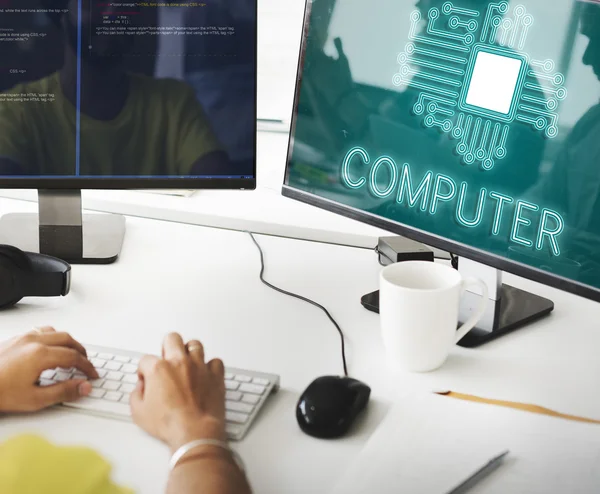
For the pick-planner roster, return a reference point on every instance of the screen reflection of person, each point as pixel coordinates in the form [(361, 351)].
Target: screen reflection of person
[(131, 125), (225, 85), (331, 96), (572, 186)]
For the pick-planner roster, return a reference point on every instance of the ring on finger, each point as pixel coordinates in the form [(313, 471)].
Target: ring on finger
[(43, 329)]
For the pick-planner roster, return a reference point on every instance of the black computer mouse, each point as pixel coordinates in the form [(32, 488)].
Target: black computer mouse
[(330, 404)]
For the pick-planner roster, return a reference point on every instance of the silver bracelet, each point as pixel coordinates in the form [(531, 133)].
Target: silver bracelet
[(186, 448)]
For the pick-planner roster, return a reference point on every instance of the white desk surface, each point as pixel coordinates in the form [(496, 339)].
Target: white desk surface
[(203, 282)]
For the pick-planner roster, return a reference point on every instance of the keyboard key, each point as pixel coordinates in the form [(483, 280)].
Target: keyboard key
[(122, 358), (114, 376), (62, 376), (113, 396), (135, 361), (130, 378), (236, 417), (101, 372), (252, 388), (62, 369), (111, 385), (229, 376), (98, 362), (129, 369), (46, 382), (125, 398), (48, 374), (79, 375), (97, 393), (105, 356), (233, 430), (91, 354), (97, 383), (115, 366), (105, 406), (243, 379), (127, 388), (233, 395), (231, 385), (261, 381), (236, 406), (252, 399)]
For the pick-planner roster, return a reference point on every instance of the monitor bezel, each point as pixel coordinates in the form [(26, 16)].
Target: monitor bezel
[(173, 182), (457, 248), (111, 183)]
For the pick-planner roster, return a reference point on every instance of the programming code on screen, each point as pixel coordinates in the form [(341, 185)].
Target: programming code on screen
[(93, 88)]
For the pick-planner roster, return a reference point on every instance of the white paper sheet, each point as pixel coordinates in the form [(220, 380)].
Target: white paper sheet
[(428, 444)]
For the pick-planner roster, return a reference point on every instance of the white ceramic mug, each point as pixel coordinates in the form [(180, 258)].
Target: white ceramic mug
[(418, 305)]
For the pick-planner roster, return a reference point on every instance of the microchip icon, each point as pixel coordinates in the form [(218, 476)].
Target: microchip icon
[(492, 86), (474, 80)]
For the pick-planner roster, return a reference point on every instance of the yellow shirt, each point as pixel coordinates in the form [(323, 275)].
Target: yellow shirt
[(31, 465), (161, 130)]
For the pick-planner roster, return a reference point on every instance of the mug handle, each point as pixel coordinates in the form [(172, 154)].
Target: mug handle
[(476, 316)]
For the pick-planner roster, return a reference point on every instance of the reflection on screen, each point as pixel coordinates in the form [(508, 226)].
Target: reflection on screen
[(95, 88), (472, 120)]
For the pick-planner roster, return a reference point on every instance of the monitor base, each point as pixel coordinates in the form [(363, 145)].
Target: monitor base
[(61, 230), (101, 237), (513, 310)]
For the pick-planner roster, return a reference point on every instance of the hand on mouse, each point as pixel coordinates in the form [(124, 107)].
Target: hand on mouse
[(180, 398), (24, 358)]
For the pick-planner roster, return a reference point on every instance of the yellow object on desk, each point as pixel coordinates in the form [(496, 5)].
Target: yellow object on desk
[(519, 406), (31, 465)]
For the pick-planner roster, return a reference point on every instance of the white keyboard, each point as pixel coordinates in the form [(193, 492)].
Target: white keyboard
[(246, 391)]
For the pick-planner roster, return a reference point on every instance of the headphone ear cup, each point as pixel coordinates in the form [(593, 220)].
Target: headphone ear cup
[(8, 286), (17, 256)]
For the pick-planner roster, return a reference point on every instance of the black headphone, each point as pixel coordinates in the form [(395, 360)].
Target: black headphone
[(25, 274)]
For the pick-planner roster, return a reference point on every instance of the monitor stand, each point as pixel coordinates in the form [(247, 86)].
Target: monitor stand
[(508, 308), (62, 230)]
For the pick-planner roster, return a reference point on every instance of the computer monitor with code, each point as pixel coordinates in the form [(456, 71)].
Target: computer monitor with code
[(469, 125), (109, 95)]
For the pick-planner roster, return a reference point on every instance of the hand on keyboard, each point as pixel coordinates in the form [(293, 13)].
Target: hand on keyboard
[(22, 359), (189, 386), (180, 398)]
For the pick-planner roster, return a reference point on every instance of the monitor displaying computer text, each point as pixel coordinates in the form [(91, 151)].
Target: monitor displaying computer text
[(471, 125)]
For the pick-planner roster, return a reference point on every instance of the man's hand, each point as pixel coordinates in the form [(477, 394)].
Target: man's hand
[(180, 398), (22, 360)]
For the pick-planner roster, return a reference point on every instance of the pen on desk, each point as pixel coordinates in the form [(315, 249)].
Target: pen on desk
[(479, 474)]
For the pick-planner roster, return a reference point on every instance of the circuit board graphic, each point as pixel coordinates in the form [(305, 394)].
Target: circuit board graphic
[(475, 82)]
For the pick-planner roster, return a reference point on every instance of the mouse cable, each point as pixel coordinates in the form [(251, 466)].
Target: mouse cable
[(300, 297)]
